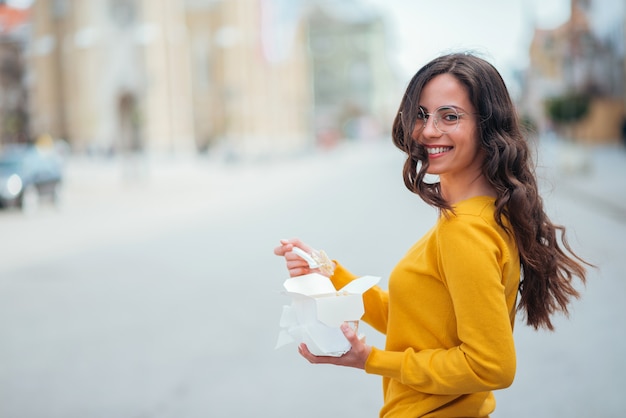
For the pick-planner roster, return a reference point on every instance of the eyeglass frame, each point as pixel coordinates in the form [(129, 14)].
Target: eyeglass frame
[(435, 120)]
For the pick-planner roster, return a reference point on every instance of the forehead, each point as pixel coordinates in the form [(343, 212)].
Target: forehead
[(444, 90)]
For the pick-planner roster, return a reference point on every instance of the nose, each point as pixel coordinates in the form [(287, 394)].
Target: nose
[(430, 130)]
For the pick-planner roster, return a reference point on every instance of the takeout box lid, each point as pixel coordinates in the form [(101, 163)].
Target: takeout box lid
[(333, 307), (315, 284)]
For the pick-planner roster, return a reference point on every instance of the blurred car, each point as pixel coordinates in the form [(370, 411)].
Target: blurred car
[(27, 175)]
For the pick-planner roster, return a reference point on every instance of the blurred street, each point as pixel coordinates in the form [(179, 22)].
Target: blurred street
[(153, 292)]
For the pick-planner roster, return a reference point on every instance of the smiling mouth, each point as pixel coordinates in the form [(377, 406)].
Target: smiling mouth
[(437, 150)]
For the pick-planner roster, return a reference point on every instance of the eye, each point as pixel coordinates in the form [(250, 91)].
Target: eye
[(448, 115), (421, 114)]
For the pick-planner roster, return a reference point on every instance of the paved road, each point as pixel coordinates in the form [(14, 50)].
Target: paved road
[(159, 297)]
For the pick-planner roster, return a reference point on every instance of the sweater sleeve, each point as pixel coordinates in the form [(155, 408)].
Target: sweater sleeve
[(470, 257), (375, 300)]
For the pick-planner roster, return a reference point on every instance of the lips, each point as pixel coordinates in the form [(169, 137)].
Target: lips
[(437, 150)]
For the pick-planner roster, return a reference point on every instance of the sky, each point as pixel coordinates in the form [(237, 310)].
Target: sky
[(498, 30), (19, 3)]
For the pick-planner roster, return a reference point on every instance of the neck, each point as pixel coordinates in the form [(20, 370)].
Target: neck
[(456, 190)]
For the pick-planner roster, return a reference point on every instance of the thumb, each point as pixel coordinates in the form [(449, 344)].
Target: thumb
[(349, 333)]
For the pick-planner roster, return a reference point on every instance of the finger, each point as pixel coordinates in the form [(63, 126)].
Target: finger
[(304, 352), (357, 342), (297, 243), (286, 245), (296, 272), (295, 261), (358, 354), (349, 333), (291, 256), (283, 249), (295, 265)]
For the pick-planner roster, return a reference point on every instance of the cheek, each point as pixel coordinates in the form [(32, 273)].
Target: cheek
[(480, 152), (415, 135), (474, 141), (469, 146)]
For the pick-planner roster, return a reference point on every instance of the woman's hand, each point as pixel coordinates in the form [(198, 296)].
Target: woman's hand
[(356, 357), (296, 265)]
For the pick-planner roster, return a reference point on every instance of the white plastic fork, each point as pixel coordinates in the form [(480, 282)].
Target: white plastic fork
[(306, 257)]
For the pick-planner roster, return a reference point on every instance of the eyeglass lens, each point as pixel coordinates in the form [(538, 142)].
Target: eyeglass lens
[(446, 118)]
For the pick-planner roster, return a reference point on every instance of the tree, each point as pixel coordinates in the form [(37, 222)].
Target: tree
[(568, 109)]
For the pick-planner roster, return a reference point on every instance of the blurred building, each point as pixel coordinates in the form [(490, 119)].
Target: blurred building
[(109, 74), (582, 56), (250, 74), (186, 75), (13, 93), (354, 90), (103, 76)]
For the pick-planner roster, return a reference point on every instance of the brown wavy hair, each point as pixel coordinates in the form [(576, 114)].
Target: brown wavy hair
[(548, 263)]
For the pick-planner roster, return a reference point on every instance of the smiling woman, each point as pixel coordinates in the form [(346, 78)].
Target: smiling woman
[(449, 312)]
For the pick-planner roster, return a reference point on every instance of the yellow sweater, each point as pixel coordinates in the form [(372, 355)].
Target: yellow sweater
[(448, 317)]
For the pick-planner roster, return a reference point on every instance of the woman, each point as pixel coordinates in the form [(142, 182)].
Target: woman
[(449, 313)]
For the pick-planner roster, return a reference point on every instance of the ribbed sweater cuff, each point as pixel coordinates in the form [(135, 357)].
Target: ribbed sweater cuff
[(384, 363)]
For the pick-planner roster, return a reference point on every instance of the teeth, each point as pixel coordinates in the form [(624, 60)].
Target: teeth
[(438, 150)]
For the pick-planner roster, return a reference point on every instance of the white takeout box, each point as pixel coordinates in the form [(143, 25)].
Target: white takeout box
[(317, 311)]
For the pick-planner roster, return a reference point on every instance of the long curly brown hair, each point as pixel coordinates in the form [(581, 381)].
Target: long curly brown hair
[(548, 263)]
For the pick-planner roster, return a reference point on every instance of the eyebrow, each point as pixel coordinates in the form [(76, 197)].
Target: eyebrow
[(443, 106)]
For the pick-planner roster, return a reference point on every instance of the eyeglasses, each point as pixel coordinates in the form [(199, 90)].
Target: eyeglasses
[(446, 118)]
